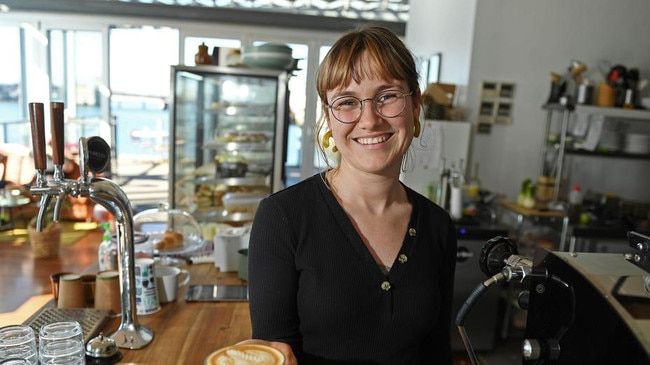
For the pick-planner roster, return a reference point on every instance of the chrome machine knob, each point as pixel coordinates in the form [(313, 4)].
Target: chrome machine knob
[(534, 349)]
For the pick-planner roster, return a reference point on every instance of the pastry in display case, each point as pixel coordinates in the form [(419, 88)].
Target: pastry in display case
[(228, 126)]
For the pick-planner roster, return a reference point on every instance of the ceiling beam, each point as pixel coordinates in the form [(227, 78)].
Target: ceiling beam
[(199, 13)]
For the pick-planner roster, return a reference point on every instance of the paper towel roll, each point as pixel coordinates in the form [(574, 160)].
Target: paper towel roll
[(456, 203)]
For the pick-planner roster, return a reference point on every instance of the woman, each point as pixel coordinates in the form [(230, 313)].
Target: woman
[(350, 266)]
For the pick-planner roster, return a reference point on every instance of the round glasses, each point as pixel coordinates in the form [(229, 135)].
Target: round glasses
[(388, 104)]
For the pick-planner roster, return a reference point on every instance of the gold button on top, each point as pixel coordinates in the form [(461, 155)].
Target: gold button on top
[(412, 232), (385, 286), (402, 258)]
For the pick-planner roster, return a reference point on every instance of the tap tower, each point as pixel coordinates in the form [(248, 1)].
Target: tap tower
[(94, 157)]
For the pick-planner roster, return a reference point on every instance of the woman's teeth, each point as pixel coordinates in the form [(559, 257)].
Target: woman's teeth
[(373, 140)]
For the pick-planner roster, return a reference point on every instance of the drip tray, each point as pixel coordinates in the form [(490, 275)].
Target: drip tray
[(91, 320)]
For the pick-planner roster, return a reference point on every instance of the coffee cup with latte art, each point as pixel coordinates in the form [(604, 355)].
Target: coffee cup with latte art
[(246, 354)]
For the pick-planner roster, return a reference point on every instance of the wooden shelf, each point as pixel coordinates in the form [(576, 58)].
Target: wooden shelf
[(632, 156), (528, 212), (620, 113)]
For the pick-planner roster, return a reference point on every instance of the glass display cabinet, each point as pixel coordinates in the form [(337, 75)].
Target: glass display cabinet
[(228, 126)]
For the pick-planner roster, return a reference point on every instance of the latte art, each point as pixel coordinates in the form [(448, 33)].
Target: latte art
[(246, 355)]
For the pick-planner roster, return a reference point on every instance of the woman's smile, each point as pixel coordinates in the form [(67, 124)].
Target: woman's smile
[(373, 140)]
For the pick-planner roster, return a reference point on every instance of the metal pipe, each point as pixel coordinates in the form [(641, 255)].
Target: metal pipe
[(105, 192)]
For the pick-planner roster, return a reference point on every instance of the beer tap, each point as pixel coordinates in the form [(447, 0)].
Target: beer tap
[(94, 157), (37, 118), (58, 157)]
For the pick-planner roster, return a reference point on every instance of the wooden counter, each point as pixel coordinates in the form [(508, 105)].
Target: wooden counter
[(183, 332), (24, 276), (186, 332)]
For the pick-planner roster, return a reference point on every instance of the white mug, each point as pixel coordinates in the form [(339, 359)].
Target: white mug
[(227, 244), (146, 296), (167, 282)]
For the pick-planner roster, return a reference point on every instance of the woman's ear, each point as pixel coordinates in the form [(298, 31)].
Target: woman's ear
[(417, 102)]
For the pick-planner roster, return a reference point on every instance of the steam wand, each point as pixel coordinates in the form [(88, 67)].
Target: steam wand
[(94, 156)]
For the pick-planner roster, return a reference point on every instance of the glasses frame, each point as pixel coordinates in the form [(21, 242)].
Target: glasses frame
[(374, 103)]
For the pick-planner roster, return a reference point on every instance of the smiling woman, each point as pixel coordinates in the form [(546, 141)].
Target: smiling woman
[(350, 265)]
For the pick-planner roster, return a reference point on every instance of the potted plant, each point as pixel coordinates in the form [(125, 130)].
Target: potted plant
[(45, 244)]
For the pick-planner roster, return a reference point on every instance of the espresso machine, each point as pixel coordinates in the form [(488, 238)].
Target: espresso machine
[(582, 307), (596, 311)]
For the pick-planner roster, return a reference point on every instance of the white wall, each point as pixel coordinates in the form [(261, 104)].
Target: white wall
[(447, 27), (523, 41)]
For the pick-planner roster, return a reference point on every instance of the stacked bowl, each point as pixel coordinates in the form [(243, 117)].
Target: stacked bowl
[(268, 55), (637, 143)]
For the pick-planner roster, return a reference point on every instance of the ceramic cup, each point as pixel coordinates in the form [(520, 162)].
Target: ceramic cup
[(18, 342), (71, 292), (107, 291), (146, 296), (246, 354), (168, 280)]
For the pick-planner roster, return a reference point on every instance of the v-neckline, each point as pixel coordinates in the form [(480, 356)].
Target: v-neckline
[(356, 242)]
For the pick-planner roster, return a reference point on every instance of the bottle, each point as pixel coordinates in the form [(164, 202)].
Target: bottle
[(629, 99), (107, 252), (456, 194), (202, 57), (575, 204), (215, 56)]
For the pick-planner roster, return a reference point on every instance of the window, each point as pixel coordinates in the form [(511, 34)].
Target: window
[(139, 63), (11, 86), (75, 69)]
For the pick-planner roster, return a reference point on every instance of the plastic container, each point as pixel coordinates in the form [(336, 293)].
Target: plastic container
[(575, 204), (107, 251)]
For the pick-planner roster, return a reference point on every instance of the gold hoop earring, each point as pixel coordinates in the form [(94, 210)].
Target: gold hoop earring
[(326, 141), (418, 127)]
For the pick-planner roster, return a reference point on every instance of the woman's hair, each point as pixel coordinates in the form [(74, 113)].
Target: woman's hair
[(368, 52)]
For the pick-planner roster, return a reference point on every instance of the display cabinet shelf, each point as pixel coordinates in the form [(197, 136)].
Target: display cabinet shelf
[(228, 128)]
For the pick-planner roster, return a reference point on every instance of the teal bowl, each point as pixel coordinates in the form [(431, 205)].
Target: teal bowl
[(270, 60), (268, 47)]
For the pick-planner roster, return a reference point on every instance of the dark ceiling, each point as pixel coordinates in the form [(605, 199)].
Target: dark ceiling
[(331, 15)]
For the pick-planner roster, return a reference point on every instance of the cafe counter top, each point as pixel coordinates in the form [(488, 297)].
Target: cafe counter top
[(183, 332), (186, 332)]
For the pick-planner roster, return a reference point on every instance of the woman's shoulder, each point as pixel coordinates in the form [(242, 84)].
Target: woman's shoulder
[(303, 189)]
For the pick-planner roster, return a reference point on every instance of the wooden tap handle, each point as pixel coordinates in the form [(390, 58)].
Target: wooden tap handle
[(56, 115), (37, 121)]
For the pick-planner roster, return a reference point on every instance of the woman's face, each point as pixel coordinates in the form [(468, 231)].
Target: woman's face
[(374, 144)]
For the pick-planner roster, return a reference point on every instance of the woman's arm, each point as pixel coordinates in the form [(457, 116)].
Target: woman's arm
[(273, 278)]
